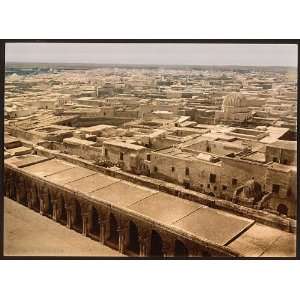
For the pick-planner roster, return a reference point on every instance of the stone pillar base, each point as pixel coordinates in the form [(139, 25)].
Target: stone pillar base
[(69, 219)]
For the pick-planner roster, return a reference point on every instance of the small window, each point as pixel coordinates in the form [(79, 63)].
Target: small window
[(104, 114), (224, 187), (275, 188), (275, 159), (155, 169), (234, 181), (105, 152), (148, 157), (207, 149), (215, 188), (173, 169), (121, 156), (285, 162), (187, 171), (208, 186), (212, 178)]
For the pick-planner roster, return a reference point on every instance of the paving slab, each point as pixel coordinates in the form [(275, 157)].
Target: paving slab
[(122, 193), (20, 150), (284, 246), (91, 183), (48, 167), (214, 225), (70, 175), (164, 208), (25, 160), (261, 240)]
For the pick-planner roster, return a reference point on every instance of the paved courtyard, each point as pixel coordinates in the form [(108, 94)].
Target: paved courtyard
[(26, 233)]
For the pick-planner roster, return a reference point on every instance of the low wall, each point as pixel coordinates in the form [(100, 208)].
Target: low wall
[(260, 216)]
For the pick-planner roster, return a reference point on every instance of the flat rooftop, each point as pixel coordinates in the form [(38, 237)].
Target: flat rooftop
[(97, 128), (77, 141), (202, 222), (25, 160), (121, 144), (286, 145)]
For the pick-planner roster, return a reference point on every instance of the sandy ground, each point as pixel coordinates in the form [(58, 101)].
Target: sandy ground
[(26, 233)]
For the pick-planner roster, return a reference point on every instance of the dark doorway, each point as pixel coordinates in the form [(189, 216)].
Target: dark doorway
[(95, 227), (133, 245), (113, 230), (282, 209), (156, 245), (180, 250), (211, 194), (78, 217)]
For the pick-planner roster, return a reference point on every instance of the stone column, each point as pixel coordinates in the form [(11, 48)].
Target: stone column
[(19, 189), (103, 224), (142, 249), (34, 196), (122, 233), (85, 224), (29, 202), (8, 187), (41, 198), (28, 192), (54, 213), (69, 216), (11, 186), (168, 249), (41, 206), (29, 185), (6, 182), (144, 240)]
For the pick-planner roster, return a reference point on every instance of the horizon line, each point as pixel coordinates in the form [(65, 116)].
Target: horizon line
[(151, 64)]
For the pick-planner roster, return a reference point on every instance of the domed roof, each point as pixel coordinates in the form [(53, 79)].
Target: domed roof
[(236, 100)]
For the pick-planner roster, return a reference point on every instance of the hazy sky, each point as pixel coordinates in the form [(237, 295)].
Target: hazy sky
[(189, 54)]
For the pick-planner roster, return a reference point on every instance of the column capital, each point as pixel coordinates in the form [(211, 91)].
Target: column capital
[(85, 215), (144, 235), (102, 221), (121, 230), (85, 208), (54, 201), (68, 205)]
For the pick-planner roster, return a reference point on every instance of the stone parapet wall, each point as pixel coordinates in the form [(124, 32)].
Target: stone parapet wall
[(260, 216)]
